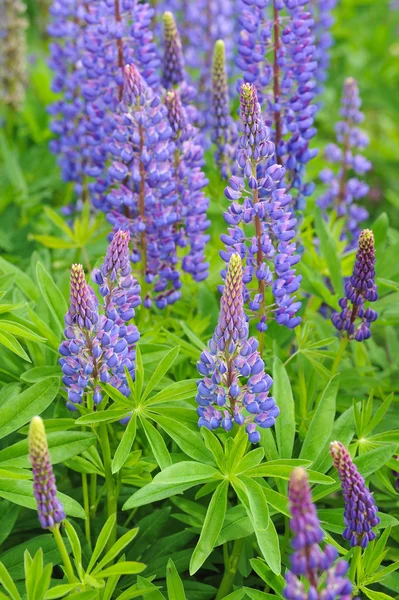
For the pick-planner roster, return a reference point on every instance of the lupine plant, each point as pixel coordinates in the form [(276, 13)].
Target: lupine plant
[(13, 53), (197, 399)]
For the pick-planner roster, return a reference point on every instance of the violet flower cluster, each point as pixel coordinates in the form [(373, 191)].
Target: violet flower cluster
[(192, 204), (308, 561), (258, 201), (354, 318), (277, 55), (234, 387), (173, 71), (100, 342), (224, 129), (343, 190), (13, 75), (49, 508), (360, 514)]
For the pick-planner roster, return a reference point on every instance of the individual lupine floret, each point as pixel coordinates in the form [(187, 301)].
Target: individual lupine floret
[(13, 75), (270, 254), (276, 53), (139, 195), (224, 130), (360, 514), (344, 190), (192, 204), (49, 508), (173, 62), (69, 115), (100, 344), (223, 397), (308, 560), (354, 318)]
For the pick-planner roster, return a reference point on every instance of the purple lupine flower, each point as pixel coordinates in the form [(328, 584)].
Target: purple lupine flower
[(309, 561), (100, 343), (141, 195), (13, 71), (49, 508), (270, 254), (323, 21), (222, 396), (70, 121), (354, 318), (343, 190), (224, 130), (192, 204), (360, 514), (277, 55), (173, 61)]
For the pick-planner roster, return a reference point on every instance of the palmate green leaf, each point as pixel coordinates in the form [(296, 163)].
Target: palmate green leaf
[(21, 493), (38, 373), (25, 283), (116, 549), (342, 431), (285, 424), (157, 444), (214, 446), (321, 425), (211, 529), (58, 221), (102, 416), (258, 509), (74, 541), (52, 295), (250, 460), (189, 441), (125, 445), (173, 480), (14, 558), (180, 390), (51, 241), (53, 340), (59, 591), (101, 542), (19, 331), (62, 444), (10, 342), (160, 371), (375, 595), (276, 582), (33, 401), (173, 583), (8, 516)]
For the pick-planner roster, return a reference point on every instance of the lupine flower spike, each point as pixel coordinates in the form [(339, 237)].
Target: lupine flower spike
[(270, 254), (173, 62), (354, 318), (49, 508), (345, 190), (224, 130), (360, 514), (100, 343), (308, 561), (234, 387), (13, 76)]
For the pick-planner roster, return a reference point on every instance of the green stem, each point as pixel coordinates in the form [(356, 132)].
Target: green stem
[(340, 353), (64, 554), (93, 494), (86, 504), (229, 574), (112, 500)]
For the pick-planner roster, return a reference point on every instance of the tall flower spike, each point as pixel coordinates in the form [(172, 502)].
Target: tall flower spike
[(360, 514), (224, 130), (269, 254), (354, 318), (100, 343), (173, 62), (141, 195), (232, 357), (343, 190), (192, 204), (13, 76), (308, 560), (276, 53), (49, 508)]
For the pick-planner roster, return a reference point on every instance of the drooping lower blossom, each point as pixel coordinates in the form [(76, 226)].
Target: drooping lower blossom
[(234, 387)]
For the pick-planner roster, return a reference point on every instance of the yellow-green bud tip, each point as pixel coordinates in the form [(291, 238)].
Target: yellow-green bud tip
[(37, 435), (298, 474), (169, 22)]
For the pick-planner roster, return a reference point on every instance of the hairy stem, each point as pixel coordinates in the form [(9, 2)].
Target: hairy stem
[(112, 500)]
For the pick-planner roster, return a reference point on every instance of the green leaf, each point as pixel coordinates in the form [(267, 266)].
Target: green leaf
[(58, 221), (213, 444), (8, 516), (54, 299), (8, 583), (59, 591), (38, 373), (342, 431), (22, 280), (19, 410), (62, 444), (375, 595), (259, 512), (211, 529), (17, 330), (102, 416), (125, 445), (276, 582), (116, 549), (13, 559), (180, 390), (174, 583), (10, 342), (285, 424), (284, 472), (329, 253), (51, 241), (101, 541), (21, 493), (321, 425), (157, 444), (74, 541), (190, 442), (160, 371), (121, 568)]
